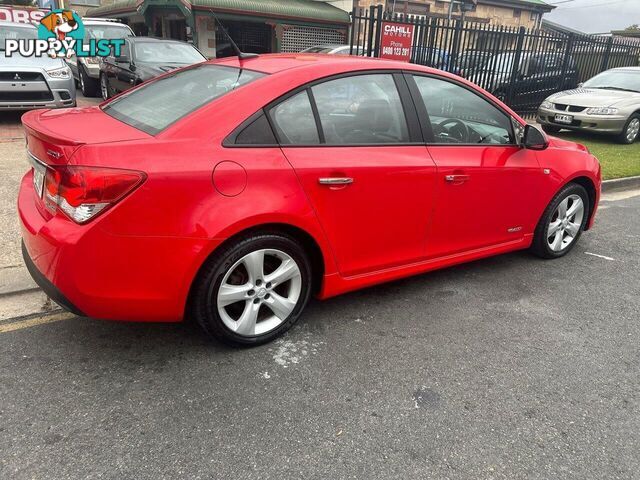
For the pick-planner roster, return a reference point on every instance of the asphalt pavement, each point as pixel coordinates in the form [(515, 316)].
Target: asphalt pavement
[(510, 367)]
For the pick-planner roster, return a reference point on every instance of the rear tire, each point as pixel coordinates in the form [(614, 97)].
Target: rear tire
[(88, 85), (550, 129), (562, 222), (631, 130), (252, 290)]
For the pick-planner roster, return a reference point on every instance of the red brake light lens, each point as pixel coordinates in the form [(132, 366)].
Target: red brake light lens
[(83, 192)]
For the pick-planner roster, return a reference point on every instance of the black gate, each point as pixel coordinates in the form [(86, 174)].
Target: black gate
[(521, 67)]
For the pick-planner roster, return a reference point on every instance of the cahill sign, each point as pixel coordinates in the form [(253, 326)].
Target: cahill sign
[(395, 41)]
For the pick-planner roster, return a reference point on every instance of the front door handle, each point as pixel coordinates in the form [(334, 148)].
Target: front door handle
[(335, 181), (456, 178)]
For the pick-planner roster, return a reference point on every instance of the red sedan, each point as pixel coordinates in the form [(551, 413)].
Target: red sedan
[(232, 190)]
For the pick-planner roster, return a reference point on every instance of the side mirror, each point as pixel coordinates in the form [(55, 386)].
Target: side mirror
[(581, 84), (534, 139), (123, 59)]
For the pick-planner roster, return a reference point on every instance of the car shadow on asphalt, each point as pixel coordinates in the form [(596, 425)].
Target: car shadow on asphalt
[(128, 340)]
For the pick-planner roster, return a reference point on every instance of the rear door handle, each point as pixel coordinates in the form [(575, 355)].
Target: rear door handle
[(456, 178), (335, 181)]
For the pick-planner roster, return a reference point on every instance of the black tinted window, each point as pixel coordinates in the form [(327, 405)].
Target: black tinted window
[(362, 109), (458, 115), (293, 120), (257, 132), (157, 104)]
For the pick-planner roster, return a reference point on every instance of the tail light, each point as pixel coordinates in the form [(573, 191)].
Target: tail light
[(81, 193)]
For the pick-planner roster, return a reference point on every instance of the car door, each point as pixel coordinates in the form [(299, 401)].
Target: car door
[(356, 147), (124, 71), (488, 187)]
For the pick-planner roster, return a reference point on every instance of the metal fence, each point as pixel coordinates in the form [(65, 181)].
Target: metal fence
[(521, 67)]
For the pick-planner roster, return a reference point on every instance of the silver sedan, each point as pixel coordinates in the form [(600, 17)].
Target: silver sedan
[(607, 103)]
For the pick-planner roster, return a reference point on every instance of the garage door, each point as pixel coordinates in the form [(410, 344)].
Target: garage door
[(296, 37)]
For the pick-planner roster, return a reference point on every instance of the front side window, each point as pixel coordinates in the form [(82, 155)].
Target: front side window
[(458, 115), (159, 103), (362, 109)]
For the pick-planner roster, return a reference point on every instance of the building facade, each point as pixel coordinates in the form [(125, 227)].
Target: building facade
[(508, 13), (256, 26)]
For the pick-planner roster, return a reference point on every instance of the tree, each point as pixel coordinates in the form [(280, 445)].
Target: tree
[(633, 28)]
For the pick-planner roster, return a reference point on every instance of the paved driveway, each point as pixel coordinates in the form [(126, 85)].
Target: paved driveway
[(511, 367)]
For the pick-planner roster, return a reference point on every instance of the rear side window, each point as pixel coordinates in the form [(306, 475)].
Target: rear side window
[(158, 104), (362, 109), (257, 132), (294, 121)]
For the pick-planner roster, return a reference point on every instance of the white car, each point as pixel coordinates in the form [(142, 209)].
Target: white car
[(333, 49), (32, 82)]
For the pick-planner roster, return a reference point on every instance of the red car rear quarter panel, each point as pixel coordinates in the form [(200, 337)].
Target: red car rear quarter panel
[(177, 218)]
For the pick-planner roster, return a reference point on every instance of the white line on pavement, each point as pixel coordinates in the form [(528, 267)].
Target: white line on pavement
[(600, 256)]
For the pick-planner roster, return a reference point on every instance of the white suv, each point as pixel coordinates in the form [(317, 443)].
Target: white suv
[(86, 70)]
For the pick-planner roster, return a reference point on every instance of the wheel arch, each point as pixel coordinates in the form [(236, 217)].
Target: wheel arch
[(308, 242), (590, 187)]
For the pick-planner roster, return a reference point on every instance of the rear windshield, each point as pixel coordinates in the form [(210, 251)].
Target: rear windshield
[(156, 105)]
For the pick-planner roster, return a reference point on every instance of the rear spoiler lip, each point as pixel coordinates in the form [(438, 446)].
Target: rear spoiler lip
[(36, 129)]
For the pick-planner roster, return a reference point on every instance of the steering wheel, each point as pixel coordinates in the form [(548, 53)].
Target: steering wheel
[(458, 130)]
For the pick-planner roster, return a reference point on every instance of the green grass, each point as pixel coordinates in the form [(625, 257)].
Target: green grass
[(617, 160)]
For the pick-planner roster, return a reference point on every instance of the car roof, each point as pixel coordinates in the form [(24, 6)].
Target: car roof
[(17, 24), (154, 40), (104, 22), (278, 62), (627, 69)]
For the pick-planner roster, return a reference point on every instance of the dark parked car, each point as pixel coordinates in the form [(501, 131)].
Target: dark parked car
[(470, 61), (538, 76), (433, 57), (141, 59)]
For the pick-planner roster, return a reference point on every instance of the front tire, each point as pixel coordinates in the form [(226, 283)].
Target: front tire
[(253, 290), (562, 222), (88, 85), (631, 130), (104, 87)]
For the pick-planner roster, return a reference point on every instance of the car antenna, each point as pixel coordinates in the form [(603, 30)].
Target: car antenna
[(239, 53)]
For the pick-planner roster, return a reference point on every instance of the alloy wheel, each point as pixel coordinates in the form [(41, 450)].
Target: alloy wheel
[(104, 88), (259, 292), (565, 223), (633, 129)]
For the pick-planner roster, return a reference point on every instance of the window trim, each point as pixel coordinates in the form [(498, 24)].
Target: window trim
[(427, 130), (231, 139), (414, 129)]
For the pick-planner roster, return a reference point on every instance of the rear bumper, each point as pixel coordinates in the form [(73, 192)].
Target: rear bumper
[(49, 288), (582, 122), (97, 274)]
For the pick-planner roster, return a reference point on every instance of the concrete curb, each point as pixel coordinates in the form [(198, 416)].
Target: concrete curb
[(619, 184)]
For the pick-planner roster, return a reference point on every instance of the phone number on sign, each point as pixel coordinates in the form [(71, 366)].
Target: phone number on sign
[(402, 51)]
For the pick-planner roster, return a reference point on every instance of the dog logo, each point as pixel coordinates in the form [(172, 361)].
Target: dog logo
[(64, 26), (61, 34)]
